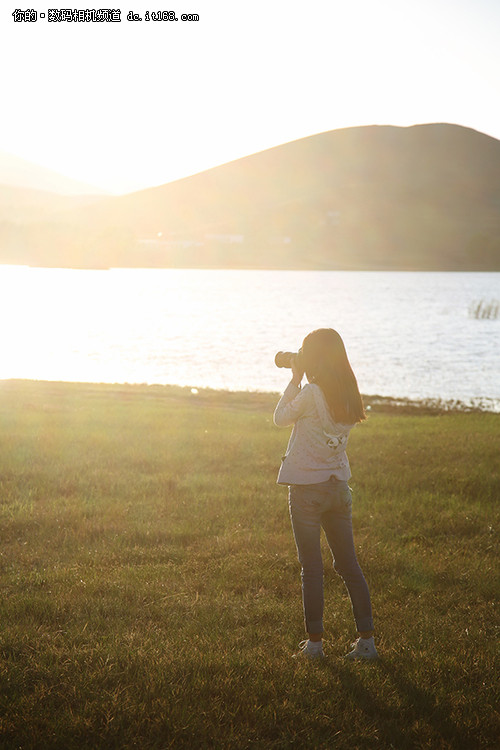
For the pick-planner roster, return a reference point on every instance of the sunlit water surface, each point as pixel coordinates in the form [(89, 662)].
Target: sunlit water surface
[(408, 335)]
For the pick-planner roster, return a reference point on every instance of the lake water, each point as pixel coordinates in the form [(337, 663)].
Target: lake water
[(408, 335)]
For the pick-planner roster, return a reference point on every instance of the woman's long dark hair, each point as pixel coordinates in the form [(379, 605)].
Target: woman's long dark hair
[(326, 364)]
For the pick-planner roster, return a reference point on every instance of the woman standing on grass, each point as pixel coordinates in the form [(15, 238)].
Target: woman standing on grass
[(316, 469)]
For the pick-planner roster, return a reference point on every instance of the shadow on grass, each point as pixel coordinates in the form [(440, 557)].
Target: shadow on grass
[(402, 725)]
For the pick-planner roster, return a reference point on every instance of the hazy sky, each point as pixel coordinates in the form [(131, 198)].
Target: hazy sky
[(133, 104)]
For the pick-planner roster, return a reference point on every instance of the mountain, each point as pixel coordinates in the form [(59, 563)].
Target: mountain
[(379, 197), (20, 173)]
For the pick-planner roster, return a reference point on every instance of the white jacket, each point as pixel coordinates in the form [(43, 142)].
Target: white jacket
[(316, 449)]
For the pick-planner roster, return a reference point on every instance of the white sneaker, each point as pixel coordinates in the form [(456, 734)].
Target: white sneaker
[(309, 651), (363, 648)]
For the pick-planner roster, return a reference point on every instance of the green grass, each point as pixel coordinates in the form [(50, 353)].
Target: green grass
[(151, 592)]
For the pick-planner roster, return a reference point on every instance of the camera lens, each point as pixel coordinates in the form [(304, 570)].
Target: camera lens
[(283, 359)]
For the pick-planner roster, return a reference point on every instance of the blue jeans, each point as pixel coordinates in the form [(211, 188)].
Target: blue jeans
[(327, 505)]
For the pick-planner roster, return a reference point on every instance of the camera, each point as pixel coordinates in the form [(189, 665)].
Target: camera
[(284, 359)]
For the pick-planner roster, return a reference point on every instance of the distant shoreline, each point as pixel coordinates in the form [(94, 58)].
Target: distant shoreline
[(248, 399), (250, 267)]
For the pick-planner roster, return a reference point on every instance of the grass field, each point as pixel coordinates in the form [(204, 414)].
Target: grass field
[(151, 592)]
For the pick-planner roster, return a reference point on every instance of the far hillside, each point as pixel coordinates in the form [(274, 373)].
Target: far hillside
[(20, 173), (420, 198)]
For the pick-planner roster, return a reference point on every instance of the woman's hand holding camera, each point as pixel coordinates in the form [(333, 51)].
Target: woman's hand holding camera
[(293, 360), (297, 371)]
